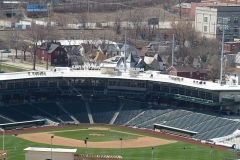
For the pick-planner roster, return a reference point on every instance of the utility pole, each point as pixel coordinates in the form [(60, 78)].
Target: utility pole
[(221, 72), (125, 50), (180, 9), (173, 48), (88, 6)]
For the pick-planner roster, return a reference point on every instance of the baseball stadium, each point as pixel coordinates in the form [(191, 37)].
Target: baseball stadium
[(106, 114)]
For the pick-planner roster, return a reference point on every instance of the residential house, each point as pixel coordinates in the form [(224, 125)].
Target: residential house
[(131, 62), (54, 53), (187, 71), (110, 49), (154, 63), (232, 76), (129, 50), (97, 56)]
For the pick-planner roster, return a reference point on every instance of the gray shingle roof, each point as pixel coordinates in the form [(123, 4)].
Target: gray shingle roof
[(52, 48), (130, 58)]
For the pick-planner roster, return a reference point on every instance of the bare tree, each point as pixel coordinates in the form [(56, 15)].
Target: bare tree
[(83, 19), (14, 37), (206, 50), (53, 33), (117, 26), (35, 34), (185, 35), (25, 46), (213, 71), (62, 20)]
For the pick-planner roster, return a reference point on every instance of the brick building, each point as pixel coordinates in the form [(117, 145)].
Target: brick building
[(231, 47), (54, 53), (187, 72)]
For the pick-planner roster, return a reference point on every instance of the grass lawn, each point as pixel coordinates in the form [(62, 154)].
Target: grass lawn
[(9, 68), (173, 151), (107, 135)]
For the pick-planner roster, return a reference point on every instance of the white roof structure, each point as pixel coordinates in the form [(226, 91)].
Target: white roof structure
[(154, 76), (39, 149)]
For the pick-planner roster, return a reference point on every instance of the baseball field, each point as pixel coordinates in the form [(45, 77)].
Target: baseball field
[(131, 144)]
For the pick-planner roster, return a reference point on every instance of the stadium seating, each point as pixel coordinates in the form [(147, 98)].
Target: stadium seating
[(210, 125), (29, 110), (3, 120), (174, 114), (188, 120), (103, 112), (147, 115), (78, 110), (13, 114), (221, 131), (129, 111), (53, 110)]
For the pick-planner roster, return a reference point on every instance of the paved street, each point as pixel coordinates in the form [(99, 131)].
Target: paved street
[(7, 60)]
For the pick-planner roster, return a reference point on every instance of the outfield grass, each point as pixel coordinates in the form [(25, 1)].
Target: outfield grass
[(173, 151), (107, 135)]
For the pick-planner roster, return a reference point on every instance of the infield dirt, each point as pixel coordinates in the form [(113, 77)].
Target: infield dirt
[(144, 141)]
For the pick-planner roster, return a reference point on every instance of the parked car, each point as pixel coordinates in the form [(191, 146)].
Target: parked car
[(6, 51)]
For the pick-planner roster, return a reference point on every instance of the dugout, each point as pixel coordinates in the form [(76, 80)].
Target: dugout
[(38, 153), (24, 124), (172, 130)]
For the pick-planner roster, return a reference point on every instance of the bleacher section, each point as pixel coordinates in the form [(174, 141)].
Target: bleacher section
[(188, 120), (174, 114), (14, 115), (3, 120), (103, 112), (209, 125), (78, 110), (29, 110), (147, 115), (224, 130), (53, 110), (128, 112)]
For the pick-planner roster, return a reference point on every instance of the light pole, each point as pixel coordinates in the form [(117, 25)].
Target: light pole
[(152, 152), (184, 153), (3, 136), (15, 135), (51, 145), (120, 145)]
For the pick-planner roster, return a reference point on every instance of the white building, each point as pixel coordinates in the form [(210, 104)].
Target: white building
[(38, 153), (211, 21)]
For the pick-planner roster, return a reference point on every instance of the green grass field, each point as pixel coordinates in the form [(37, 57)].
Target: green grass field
[(9, 68), (107, 135), (173, 151)]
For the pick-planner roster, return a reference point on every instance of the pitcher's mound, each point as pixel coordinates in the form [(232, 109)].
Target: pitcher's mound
[(96, 134)]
